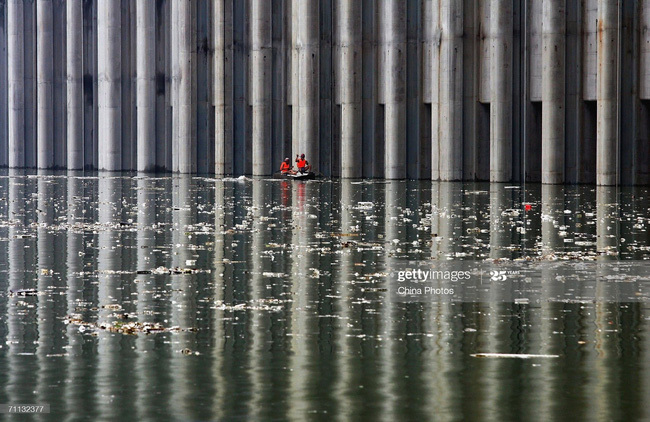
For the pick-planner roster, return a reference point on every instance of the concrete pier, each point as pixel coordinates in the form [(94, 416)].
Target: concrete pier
[(393, 41), (349, 36), (109, 71), (146, 84), (553, 90), (44, 84), (222, 77), (501, 92), (74, 69), (260, 83), (306, 67), (608, 93), (16, 84), (184, 109), (450, 92)]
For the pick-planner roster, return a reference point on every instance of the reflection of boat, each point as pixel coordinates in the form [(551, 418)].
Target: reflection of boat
[(297, 176)]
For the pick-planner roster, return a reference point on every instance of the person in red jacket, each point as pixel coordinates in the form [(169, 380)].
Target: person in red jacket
[(285, 167), (303, 165)]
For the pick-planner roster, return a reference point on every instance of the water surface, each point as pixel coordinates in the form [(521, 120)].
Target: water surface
[(271, 301)]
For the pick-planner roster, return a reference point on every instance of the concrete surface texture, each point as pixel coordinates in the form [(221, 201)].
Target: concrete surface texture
[(552, 91)]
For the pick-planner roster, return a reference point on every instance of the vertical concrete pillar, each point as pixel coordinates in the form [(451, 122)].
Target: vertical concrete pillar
[(260, 83), (394, 43), (186, 101), (16, 96), (44, 84), (74, 52), (306, 110), (607, 91), (553, 90), (349, 35), (4, 100), (222, 83), (501, 95), (146, 84), (109, 71), (450, 71), (59, 93)]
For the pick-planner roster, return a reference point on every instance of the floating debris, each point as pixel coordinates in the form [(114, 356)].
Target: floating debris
[(23, 292), (121, 327), (511, 356)]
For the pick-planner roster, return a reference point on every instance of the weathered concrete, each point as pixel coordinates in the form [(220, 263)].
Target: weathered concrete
[(16, 96), (394, 50), (501, 101), (146, 85), (553, 90), (109, 100), (44, 84), (608, 68), (306, 65), (450, 82), (74, 69), (349, 84), (4, 101), (260, 85), (222, 68), (183, 20), (505, 90)]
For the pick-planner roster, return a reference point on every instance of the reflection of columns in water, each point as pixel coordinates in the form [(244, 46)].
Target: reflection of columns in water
[(547, 341), (46, 312), (395, 202), (497, 332), (500, 233), (20, 329), (347, 312), (183, 312), (260, 320), (451, 224), (607, 229), (222, 274), (607, 221), (109, 291), (75, 247), (146, 242), (552, 218), (436, 316), (303, 282)]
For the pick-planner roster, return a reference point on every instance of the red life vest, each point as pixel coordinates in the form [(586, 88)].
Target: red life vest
[(284, 167), (302, 163)]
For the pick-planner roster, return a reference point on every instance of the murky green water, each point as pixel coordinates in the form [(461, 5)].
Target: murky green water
[(267, 300)]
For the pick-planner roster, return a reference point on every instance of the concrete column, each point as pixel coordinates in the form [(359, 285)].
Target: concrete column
[(59, 97), (109, 71), (501, 95), (186, 101), (146, 84), (393, 20), (306, 110), (222, 83), (451, 90), (349, 35), (4, 100), (44, 84), (260, 83), (553, 87), (74, 52), (607, 91), (16, 97)]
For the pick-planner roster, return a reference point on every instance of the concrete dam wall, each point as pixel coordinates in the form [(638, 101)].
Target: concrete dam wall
[(553, 91)]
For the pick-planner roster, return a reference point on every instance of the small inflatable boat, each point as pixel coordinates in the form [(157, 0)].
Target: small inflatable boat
[(298, 176)]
